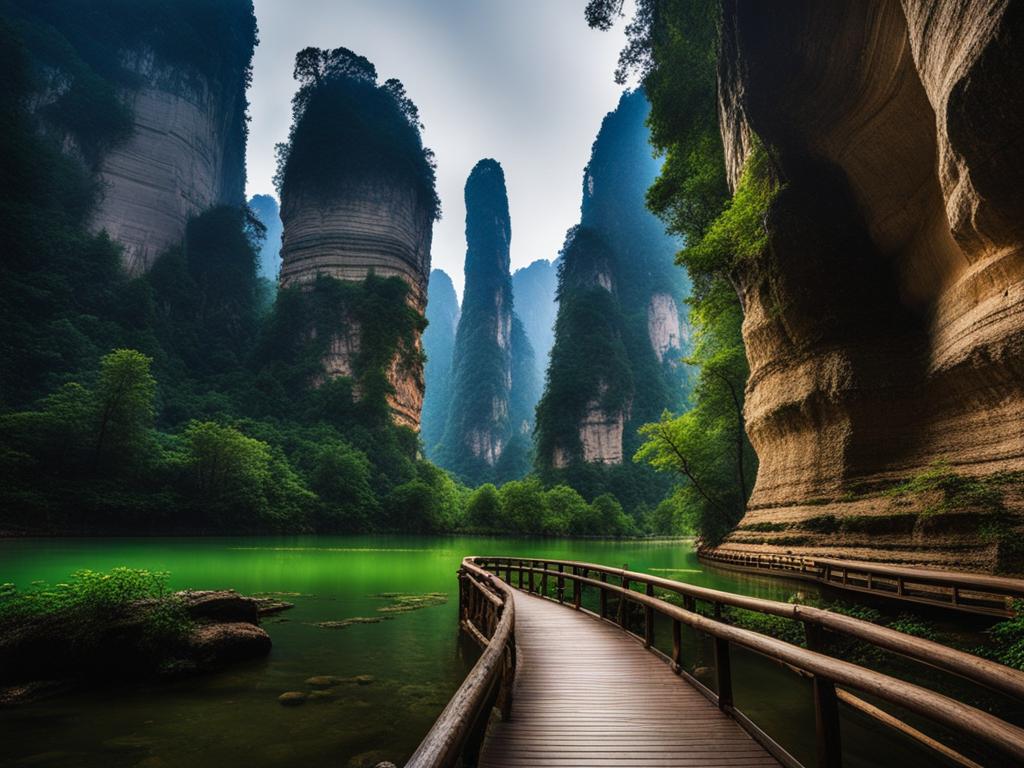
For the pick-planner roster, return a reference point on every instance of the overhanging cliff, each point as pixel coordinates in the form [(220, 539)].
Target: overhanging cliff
[(884, 322)]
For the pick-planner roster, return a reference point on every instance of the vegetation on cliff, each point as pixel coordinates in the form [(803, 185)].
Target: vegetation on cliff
[(706, 446), (326, 149), (492, 372), (604, 364)]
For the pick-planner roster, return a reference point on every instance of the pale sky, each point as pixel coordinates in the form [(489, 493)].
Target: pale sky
[(522, 81)]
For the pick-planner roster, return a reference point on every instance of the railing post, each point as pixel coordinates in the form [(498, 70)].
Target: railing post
[(649, 618), (604, 595), (462, 595), (544, 581), (508, 572), (576, 588), (723, 673), (533, 563), (814, 636), (688, 604), (622, 604), (677, 646), (520, 570), (826, 722), (561, 583)]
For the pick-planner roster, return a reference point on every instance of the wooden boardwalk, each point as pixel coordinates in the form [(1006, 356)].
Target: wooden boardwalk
[(588, 696)]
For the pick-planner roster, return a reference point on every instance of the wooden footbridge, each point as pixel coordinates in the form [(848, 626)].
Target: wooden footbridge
[(585, 666)]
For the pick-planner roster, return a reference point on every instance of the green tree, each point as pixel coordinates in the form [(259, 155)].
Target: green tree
[(483, 510), (565, 509), (124, 404), (523, 505), (341, 478), (227, 470), (610, 518)]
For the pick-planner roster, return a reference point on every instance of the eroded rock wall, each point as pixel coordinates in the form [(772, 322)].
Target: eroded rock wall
[(884, 324), (481, 422), (377, 225), (185, 154)]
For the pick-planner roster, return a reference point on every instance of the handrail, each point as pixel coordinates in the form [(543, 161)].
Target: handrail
[(978, 670), (485, 606), (985, 594), (827, 672)]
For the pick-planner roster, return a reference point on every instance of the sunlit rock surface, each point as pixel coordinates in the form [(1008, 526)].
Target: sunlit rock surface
[(885, 323)]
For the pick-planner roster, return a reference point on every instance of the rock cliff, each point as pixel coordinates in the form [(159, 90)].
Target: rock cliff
[(619, 334), (884, 323), (492, 370), (185, 153), (139, 94), (357, 199)]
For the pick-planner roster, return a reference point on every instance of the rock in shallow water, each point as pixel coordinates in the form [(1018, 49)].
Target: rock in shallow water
[(293, 698), (214, 645)]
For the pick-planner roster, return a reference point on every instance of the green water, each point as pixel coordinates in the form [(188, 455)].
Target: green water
[(417, 659)]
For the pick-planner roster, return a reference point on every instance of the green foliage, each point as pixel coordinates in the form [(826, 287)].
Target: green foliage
[(673, 46), (706, 446), (1008, 639), (523, 505), (345, 126), (738, 232), (953, 492), (483, 509), (124, 403), (89, 601), (611, 266)]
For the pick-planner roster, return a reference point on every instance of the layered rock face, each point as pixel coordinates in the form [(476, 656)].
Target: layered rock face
[(884, 324), (619, 333), (377, 225), (186, 153), (492, 364)]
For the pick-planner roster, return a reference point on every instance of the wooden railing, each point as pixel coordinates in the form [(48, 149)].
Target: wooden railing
[(974, 593), (487, 614), (833, 679)]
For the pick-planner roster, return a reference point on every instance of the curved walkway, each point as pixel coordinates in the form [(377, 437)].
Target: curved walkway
[(588, 696)]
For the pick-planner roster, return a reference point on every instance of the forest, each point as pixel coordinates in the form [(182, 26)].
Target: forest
[(178, 400)]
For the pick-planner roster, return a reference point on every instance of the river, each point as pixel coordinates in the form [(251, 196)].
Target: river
[(416, 659)]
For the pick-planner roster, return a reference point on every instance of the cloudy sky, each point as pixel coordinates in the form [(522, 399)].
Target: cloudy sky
[(522, 81)]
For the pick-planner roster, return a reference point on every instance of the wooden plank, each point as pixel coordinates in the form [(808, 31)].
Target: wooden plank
[(587, 695)]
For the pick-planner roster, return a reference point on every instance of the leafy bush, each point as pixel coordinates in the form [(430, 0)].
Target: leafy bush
[(90, 600)]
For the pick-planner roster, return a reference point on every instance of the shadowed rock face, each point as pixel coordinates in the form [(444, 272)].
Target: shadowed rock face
[(372, 224), (619, 334), (186, 153), (884, 324)]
